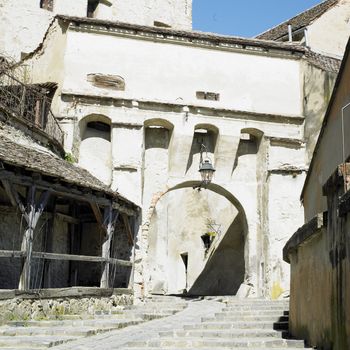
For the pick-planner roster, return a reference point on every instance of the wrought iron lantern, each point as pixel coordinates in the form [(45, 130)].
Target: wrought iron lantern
[(206, 168)]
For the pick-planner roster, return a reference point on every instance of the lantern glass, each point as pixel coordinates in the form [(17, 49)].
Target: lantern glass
[(206, 170)]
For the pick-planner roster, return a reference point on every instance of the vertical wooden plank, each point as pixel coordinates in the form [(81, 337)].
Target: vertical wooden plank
[(27, 241), (23, 102), (34, 213), (128, 229), (110, 218), (134, 228), (74, 246), (48, 247)]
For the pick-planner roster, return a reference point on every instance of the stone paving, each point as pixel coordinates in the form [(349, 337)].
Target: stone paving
[(216, 323), (192, 314)]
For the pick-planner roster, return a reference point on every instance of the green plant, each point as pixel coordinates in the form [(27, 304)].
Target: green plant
[(69, 158)]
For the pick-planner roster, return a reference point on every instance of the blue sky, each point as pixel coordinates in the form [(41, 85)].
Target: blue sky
[(245, 17)]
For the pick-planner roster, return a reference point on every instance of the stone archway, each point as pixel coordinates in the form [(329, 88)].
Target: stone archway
[(178, 258)]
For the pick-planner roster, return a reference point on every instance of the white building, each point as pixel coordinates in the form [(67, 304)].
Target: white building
[(138, 99)]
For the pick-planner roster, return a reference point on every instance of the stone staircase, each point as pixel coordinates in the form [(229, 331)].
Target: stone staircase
[(241, 324), (32, 335), (173, 323)]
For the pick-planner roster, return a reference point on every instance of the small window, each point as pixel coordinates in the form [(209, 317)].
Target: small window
[(92, 7), (210, 96), (46, 5)]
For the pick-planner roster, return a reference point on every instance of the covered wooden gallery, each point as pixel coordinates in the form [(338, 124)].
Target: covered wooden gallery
[(60, 227)]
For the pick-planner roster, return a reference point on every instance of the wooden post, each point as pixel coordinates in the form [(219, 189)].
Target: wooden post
[(31, 214), (110, 217), (135, 227), (27, 241), (48, 247), (74, 245), (34, 212), (37, 113)]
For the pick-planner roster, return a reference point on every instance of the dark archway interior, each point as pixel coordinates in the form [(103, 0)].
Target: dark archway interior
[(224, 271)]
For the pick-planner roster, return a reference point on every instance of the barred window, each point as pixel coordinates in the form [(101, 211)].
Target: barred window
[(46, 4)]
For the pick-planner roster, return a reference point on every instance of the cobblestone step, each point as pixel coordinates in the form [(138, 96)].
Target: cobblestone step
[(233, 318), (232, 325), (49, 333), (58, 331), (241, 324), (36, 342), (215, 343), (232, 333), (216, 348)]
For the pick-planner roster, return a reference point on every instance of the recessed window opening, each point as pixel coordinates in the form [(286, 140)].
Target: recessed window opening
[(46, 4), (248, 144), (100, 126), (210, 96), (92, 7), (97, 129)]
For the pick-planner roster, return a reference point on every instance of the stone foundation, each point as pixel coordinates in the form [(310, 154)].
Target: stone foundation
[(23, 309)]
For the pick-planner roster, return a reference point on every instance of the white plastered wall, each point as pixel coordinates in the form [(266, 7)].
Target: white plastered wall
[(173, 13), (23, 23), (329, 33), (160, 71)]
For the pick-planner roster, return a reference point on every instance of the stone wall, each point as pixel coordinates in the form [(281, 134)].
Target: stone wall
[(319, 254), (25, 309)]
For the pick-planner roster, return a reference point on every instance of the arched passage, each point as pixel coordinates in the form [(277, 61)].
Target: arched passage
[(178, 257)]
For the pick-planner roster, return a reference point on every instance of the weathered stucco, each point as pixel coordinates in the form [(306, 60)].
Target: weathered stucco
[(329, 151), (23, 23), (321, 32), (168, 13), (320, 269), (258, 125)]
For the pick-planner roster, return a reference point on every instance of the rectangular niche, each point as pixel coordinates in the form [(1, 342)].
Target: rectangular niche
[(210, 96), (107, 81)]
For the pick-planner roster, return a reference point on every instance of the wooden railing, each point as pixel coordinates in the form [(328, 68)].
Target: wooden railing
[(29, 104)]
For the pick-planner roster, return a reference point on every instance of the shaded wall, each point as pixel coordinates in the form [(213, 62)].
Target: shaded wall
[(224, 270), (319, 254)]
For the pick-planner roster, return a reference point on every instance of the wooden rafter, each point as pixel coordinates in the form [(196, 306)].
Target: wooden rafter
[(128, 229)]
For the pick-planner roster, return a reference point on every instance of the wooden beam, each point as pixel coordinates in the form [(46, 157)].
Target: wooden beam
[(86, 258), (14, 197), (128, 229), (98, 215), (68, 218), (64, 257), (12, 254), (71, 292), (64, 191)]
